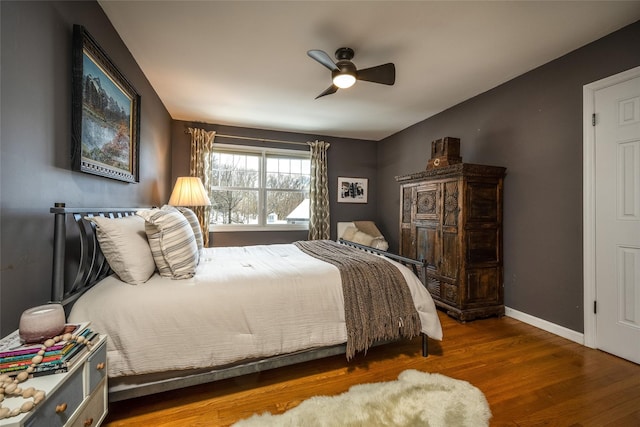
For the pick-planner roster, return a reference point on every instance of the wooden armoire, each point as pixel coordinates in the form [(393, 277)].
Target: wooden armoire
[(451, 216)]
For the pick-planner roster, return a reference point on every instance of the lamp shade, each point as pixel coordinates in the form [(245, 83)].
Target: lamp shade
[(189, 191)]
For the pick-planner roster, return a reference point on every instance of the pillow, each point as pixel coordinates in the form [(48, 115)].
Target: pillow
[(379, 243), (349, 233), (172, 242), (192, 218), (362, 238), (368, 227), (169, 208), (124, 244)]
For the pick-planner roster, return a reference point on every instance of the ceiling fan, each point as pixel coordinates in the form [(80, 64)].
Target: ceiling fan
[(344, 73)]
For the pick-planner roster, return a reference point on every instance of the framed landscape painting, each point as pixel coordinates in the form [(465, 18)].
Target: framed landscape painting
[(105, 114), (352, 190)]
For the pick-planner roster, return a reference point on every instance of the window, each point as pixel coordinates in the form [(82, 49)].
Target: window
[(259, 188)]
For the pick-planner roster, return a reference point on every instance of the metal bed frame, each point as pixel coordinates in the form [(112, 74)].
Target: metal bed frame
[(91, 267)]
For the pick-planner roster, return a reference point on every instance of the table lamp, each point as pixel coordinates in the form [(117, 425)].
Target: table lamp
[(189, 191)]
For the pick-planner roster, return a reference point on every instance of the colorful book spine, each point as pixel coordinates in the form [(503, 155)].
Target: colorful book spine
[(17, 368), (62, 350), (30, 350), (12, 346), (28, 361), (55, 363), (73, 355), (51, 371)]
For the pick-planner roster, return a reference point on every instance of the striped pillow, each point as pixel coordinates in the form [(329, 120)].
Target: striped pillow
[(193, 222), (172, 242), (195, 225)]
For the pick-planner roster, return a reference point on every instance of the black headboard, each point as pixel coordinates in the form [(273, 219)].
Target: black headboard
[(77, 269)]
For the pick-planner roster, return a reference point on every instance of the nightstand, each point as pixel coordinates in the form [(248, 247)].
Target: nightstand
[(77, 398)]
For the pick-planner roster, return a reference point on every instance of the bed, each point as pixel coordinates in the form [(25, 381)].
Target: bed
[(243, 310)]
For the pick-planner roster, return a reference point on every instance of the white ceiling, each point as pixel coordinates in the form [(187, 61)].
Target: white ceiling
[(244, 63)]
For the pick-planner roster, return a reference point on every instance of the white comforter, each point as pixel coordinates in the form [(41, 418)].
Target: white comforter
[(244, 302)]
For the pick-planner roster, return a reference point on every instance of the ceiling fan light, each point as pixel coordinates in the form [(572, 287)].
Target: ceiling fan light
[(344, 80)]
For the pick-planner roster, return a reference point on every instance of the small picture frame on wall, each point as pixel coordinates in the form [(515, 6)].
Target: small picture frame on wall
[(352, 190), (105, 116)]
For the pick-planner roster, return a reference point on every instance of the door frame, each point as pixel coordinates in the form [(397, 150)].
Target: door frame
[(588, 197)]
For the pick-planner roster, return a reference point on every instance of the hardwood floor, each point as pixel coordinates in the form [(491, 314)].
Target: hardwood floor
[(530, 378)]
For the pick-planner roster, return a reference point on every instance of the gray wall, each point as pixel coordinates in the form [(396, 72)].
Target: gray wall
[(35, 142), (532, 125), (346, 157)]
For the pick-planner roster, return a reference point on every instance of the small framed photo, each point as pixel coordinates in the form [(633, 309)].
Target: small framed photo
[(105, 116), (352, 190)]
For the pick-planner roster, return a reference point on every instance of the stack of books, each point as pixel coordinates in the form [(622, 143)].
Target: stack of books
[(16, 356)]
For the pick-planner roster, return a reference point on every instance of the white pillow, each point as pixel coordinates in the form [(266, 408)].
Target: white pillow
[(124, 244), (379, 243), (172, 243), (349, 233)]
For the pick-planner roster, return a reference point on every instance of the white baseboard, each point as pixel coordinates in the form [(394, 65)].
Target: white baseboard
[(545, 325)]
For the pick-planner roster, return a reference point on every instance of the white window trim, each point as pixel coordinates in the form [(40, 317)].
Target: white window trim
[(223, 228)]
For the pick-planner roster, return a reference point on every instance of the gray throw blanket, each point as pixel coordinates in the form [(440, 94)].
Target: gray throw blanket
[(377, 301)]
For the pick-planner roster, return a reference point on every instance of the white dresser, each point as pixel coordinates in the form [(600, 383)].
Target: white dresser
[(77, 398)]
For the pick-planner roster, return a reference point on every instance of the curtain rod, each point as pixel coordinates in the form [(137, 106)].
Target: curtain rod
[(260, 139)]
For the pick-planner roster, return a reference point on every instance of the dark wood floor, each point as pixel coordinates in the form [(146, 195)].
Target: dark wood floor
[(530, 378)]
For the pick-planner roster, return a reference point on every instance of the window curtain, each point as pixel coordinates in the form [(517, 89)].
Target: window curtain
[(200, 166), (319, 225)]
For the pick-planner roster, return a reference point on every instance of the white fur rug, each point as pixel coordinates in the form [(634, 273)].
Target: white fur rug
[(414, 399)]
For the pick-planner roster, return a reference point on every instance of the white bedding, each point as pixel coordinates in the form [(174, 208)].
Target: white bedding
[(243, 303)]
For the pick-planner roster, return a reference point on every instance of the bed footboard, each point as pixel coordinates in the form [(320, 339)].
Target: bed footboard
[(414, 264), (408, 262)]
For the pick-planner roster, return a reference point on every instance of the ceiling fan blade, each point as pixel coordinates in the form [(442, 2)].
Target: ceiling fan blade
[(385, 74), (323, 58), (328, 91)]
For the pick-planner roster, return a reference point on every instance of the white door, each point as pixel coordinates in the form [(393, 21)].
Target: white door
[(617, 218)]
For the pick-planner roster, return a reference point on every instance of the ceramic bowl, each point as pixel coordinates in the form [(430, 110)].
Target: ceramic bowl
[(38, 324)]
